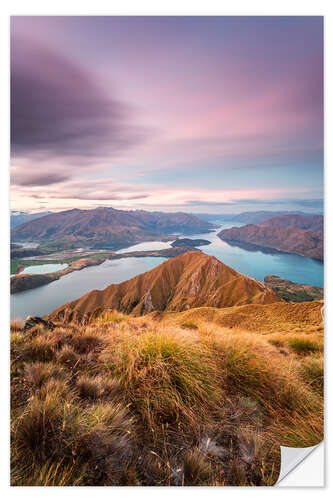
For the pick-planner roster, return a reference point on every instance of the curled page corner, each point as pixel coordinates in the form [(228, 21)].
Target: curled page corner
[(291, 457)]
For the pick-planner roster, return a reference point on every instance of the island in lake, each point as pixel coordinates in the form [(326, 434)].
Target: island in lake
[(188, 242)]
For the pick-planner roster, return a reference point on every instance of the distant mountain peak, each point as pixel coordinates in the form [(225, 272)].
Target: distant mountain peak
[(193, 279), (292, 233), (106, 225)]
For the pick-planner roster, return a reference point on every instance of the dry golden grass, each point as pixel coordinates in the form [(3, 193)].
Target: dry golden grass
[(16, 325), (279, 317), (147, 401)]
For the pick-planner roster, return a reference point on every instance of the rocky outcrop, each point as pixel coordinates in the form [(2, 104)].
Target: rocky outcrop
[(33, 321)]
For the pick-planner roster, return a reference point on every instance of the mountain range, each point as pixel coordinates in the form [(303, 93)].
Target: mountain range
[(297, 234), (108, 226), (253, 217), (191, 280), (313, 223), (20, 217)]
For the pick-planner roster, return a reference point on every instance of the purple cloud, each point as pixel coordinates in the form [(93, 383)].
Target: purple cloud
[(58, 110), (30, 179)]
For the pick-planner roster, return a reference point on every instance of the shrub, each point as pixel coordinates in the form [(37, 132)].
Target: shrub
[(304, 345), (189, 325)]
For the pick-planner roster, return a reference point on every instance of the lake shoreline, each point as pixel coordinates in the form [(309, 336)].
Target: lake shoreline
[(22, 282)]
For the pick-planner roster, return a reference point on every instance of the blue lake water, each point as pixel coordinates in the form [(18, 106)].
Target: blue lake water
[(257, 263), (43, 300), (43, 269), (27, 244), (147, 245)]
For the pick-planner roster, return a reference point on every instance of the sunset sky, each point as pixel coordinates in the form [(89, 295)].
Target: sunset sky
[(195, 114)]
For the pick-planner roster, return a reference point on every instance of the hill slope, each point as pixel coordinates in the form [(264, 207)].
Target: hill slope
[(287, 233), (294, 292), (157, 400), (193, 279), (275, 318), (313, 223), (17, 218), (109, 226), (253, 217)]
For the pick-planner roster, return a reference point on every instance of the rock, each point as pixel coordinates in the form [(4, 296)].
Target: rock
[(32, 321), (208, 445)]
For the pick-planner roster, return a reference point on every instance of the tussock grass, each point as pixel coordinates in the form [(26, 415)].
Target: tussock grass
[(38, 349), (38, 373), (163, 375), (197, 470), (190, 325), (312, 371), (303, 345), (88, 387), (16, 325), (145, 401), (67, 356)]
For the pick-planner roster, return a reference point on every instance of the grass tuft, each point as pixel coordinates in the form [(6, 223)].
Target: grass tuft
[(311, 370), (196, 470), (190, 325), (304, 345), (145, 401)]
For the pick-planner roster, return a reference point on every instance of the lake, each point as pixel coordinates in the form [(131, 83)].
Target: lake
[(257, 263), (147, 245), (43, 300), (43, 269)]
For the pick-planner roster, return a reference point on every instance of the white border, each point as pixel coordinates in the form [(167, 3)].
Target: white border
[(144, 7)]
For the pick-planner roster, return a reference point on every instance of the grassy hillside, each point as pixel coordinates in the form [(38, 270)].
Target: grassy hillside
[(165, 399)]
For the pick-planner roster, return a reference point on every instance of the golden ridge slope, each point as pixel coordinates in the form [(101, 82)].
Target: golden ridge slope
[(193, 279), (279, 317)]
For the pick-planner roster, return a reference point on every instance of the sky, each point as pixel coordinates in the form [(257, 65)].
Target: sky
[(194, 114)]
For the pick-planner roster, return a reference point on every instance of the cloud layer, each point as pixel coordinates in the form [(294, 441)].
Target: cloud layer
[(59, 110), (188, 112)]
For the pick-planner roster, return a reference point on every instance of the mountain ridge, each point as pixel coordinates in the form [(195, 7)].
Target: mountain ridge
[(250, 217), (109, 226), (282, 233), (193, 279)]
